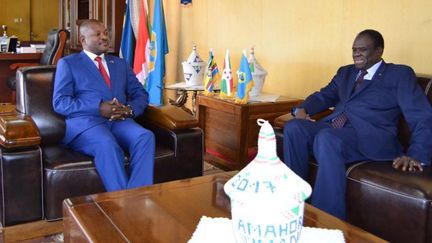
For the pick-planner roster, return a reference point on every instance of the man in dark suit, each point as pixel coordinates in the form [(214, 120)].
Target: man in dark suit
[(368, 98), (99, 95)]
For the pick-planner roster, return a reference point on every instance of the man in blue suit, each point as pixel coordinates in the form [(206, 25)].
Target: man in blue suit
[(99, 95), (368, 98)]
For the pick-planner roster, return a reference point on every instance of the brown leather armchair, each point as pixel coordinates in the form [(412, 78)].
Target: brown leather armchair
[(38, 173), (54, 50), (394, 205)]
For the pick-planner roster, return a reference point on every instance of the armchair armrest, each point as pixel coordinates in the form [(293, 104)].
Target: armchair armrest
[(178, 131), (18, 130), (171, 117), (15, 66), (281, 120)]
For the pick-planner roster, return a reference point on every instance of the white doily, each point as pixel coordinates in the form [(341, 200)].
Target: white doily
[(216, 230)]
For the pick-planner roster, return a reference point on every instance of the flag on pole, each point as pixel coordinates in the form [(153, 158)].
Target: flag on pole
[(158, 50), (245, 81), (142, 48), (211, 75), (127, 40), (227, 83), (134, 10)]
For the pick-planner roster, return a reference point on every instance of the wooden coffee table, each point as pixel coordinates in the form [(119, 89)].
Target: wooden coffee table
[(168, 212)]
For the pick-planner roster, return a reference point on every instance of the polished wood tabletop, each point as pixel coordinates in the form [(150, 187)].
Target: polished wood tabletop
[(168, 212)]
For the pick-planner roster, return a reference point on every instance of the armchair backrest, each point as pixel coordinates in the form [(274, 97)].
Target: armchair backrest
[(55, 46), (34, 97), (404, 133)]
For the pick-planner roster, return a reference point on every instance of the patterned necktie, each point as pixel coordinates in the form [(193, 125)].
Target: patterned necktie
[(103, 71), (359, 81), (340, 120)]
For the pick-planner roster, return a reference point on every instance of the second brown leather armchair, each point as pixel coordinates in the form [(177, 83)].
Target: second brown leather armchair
[(394, 205)]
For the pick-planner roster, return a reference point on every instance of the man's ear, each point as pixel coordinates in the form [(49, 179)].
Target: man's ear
[(82, 39), (380, 50)]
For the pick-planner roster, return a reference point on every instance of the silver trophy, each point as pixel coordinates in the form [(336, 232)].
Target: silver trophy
[(4, 39)]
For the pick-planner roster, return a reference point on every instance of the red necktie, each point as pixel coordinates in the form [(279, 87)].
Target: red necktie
[(103, 71), (340, 120)]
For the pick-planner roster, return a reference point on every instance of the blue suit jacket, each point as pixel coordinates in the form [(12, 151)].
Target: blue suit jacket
[(79, 88), (374, 110)]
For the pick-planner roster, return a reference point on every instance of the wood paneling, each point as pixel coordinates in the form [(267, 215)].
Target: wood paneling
[(37, 16), (44, 17), (12, 9), (110, 12)]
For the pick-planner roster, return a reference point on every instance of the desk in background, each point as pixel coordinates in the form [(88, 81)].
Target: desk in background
[(7, 59), (231, 130)]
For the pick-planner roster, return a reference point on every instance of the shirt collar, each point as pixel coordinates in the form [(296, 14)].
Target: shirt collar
[(372, 70), (92, 56)]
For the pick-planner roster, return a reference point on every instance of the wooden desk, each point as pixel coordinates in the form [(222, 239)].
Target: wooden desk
[(231, 129), (168, 212), (7, 59)]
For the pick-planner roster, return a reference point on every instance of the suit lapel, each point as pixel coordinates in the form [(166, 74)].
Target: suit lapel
[(112, 68), (377, 77), (352, 80)]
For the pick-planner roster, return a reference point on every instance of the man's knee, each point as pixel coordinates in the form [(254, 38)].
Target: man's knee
[(326, 141), (146, 138), (108, 146)]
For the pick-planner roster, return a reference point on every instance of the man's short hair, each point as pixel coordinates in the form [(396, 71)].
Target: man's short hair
[(375, 36), (86, 24)]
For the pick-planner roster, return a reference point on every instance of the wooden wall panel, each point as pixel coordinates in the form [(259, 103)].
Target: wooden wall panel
[(44, 17), (12, 9)]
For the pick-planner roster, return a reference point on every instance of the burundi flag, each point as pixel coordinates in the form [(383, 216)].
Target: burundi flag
[(211, 75), (245, 81), (227, 82), (158, 50), (127, 40), (142, 48)]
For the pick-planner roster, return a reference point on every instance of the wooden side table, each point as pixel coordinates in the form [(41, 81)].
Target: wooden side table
[(182, 89), (231, 129)]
